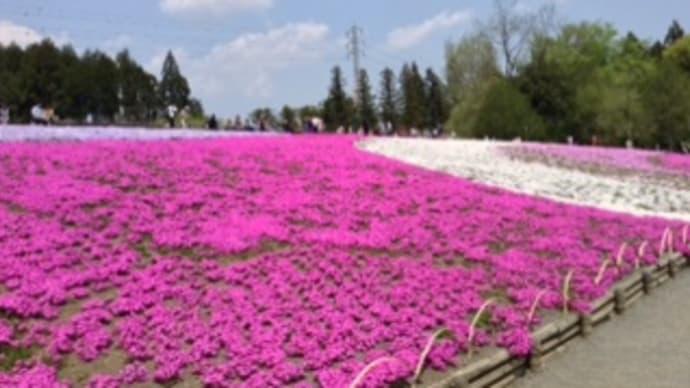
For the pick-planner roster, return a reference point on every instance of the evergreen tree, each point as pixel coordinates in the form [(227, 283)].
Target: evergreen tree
[(11, 58), (173, 88), (388, 100), (675, 33), (99, 82), (67, 101), (366, 109), (288, 119), (412, 91), (74, 85), (136, 89), (41, 76), (337, 108), (657, 50), (437, 108)]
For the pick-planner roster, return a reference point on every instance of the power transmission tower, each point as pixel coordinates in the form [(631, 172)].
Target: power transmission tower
[(355, 51)]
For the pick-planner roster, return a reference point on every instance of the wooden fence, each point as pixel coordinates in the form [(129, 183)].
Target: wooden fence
[(500, 368)]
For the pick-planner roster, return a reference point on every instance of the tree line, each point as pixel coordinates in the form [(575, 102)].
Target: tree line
[(411, 100), (111, 90), (527, 75), (583, 81)]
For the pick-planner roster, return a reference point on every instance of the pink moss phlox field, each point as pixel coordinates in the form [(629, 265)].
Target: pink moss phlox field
[(269, 262), (635, 160)]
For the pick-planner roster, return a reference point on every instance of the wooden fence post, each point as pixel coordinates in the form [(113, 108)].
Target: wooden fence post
[(672, 268), (586, 325), (647, 281), (459, 382), (536, 359), (619, 300)]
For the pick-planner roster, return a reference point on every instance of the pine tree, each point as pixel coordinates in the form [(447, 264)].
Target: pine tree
[(288, 119), (412, 92), (137, 89), (437, 107), (675, 33), (73, 85), (366, 110), (657, 50), (173, 88), (99, 79), (388, 99), (337, 110)]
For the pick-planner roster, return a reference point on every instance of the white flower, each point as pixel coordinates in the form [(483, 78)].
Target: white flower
[(483, 162)]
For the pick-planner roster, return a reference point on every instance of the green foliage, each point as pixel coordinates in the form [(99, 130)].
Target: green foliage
[(92, 83), (366, 109), (679, 54), (666, 96), (559, 67), (484, 320), (506, 113), (137, 90), (413, 100), (464, 115), (436, 100), (675, 33), (288, 119), (195, 107), (99, 94), (265, 117), (173, 88), (338, 107), (309, 112), (470, 64), (610, 103), (582, 80), (388, 103), (11, 356)]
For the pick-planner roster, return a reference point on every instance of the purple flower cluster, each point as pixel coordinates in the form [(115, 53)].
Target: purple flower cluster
[(644, 161), (266, 262)]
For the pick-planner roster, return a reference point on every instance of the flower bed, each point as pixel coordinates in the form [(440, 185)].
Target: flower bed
[(508, 165), (18, 133), (605, 160), (280, 262)]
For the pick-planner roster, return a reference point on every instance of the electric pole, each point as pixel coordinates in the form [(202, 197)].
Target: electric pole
[(355, 51)]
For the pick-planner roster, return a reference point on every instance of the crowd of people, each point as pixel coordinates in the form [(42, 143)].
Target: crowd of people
[(44, 114)]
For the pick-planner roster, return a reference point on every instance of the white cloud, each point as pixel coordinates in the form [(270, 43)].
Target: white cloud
[(118, 43), (20, 35), (24, 36), (526, 6), (212, 7), (409, 36), (248, 64)]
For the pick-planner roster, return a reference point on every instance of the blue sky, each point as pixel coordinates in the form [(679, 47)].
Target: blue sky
[(240, 54)]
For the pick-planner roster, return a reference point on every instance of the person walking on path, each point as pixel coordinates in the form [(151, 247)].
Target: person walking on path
[(213, 123), (184, 117), (172, 114), (39, 115)]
